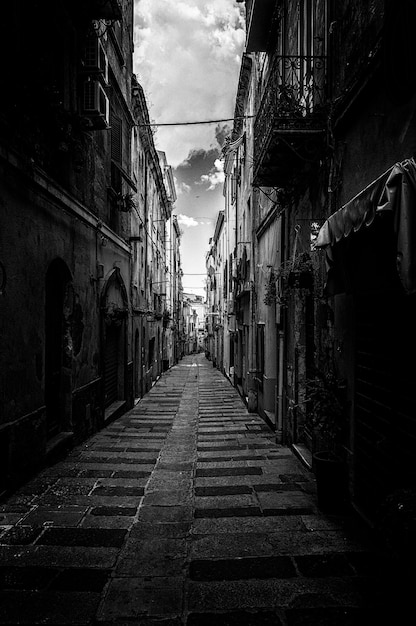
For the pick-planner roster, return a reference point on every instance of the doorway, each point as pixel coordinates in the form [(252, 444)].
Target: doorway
[(58, 354), (137, 365), (111, 363)]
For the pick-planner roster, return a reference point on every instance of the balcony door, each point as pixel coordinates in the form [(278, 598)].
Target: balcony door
[(312, 43)]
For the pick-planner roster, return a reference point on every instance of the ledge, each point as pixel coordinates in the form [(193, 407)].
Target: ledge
[(271, 417), (69, 203), (59, 445), (303, 453), (114, 410)]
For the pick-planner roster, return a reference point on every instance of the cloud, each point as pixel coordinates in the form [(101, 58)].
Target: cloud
[(193, 156), (187, 58), (221, 133), (215, 177), (185, 220), (181, 187)]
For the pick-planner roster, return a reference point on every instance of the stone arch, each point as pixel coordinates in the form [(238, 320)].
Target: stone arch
[(114, 313)]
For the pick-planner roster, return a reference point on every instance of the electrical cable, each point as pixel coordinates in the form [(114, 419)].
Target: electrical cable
[(227, 119)]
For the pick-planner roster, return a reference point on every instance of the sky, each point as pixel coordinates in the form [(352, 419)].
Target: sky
[(187, 59)]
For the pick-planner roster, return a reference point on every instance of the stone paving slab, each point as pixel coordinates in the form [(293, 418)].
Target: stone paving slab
[(173, 497), (91, 500), (23, 607), (131, 598), (143, 529), (245, 479), (231, 545), (113, 521), (165, 514), (226, 501), (67, 517), (248, 525), (282, 500), (227, 464), (58, 556), (283, 593)]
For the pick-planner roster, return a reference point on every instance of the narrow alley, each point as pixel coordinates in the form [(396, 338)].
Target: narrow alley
[(185, 511)]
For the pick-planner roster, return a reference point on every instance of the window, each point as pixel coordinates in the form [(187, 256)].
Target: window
[(151, 351)]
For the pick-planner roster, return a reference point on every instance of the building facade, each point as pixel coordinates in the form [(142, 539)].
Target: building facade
[(82, 244), (320, 176)]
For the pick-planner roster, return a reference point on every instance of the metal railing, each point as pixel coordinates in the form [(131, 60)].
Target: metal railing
[(294, 93)]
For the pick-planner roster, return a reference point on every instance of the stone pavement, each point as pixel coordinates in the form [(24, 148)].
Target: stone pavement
[(186, 512)]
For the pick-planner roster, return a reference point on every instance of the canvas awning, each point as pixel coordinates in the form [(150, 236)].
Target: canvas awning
[(394, 192), (229, 152)]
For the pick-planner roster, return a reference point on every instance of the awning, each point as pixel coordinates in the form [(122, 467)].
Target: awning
[(229, 152), (394, 192)]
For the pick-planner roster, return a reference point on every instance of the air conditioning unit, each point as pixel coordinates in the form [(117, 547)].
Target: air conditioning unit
[(95, 104), (95, 59)]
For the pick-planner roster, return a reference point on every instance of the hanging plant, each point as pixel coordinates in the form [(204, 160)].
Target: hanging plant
[(297, 272), (299, 264), (127, 202), (114, 313), (270, 295)]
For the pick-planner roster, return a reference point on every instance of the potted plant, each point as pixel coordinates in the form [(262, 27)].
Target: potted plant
[(325, 415)]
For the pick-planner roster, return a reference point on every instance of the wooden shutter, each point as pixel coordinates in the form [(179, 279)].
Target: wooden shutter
[(116, 138)]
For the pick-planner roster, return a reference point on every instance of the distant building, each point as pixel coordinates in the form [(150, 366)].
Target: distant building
[(217, 329), (194, 309)]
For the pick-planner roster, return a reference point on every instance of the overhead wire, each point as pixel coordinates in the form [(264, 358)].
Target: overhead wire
[(226, 119)]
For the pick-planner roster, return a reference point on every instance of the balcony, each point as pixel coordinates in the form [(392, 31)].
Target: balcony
[(290, 124)]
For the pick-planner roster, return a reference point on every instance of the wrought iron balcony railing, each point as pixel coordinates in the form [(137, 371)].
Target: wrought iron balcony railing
[(292, 101)]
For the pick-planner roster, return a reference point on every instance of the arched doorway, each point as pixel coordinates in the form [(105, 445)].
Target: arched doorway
[(114, 308), (58, 348), (143, 361), (137, 365)]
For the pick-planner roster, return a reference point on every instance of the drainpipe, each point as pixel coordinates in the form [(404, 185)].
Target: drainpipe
[(284, 245), (279, 425)]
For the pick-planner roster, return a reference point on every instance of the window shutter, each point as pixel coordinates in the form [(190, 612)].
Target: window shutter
[(116, 138)]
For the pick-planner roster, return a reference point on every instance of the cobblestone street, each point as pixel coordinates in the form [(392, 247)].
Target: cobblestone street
[(184, 511)]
